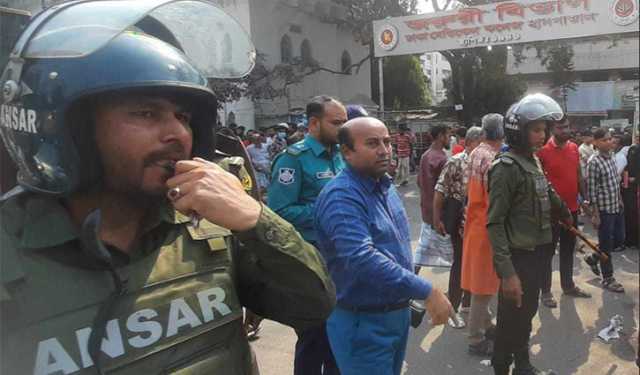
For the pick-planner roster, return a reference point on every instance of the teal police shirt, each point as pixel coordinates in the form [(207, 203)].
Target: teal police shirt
[(297, 176)]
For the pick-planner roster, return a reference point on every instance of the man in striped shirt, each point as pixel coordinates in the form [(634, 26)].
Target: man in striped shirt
[(605, 202)]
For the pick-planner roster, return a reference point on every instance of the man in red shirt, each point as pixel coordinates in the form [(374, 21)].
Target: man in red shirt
[(561, 163), (403, 141), (461, 133)]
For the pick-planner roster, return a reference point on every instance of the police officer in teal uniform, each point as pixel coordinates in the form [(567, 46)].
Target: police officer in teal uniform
[(298, 175)]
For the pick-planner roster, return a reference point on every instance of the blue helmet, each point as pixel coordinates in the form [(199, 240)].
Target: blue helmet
[(355, 111), (72, 54)]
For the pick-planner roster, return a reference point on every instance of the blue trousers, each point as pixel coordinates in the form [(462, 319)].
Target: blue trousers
[(369, 343), (610, 236)]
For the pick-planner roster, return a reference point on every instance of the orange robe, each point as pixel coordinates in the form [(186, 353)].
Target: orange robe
[(478, 274)]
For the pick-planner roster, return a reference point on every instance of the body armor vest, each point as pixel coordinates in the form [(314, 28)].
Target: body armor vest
[(180, 312)]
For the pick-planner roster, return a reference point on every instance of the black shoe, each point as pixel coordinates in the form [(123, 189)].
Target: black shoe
[(530, 370), (594, 264), (482, 349), (576, 292), (618, 249)]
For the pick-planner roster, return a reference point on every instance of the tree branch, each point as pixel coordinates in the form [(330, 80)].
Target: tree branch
[(347, 71), (436, 5)]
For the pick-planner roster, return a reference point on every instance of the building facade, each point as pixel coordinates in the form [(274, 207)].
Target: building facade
[(308, 31), (437, 69), (606, 71), (288, 32)]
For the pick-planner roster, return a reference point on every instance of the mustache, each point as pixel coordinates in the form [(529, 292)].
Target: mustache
[(174, 151)]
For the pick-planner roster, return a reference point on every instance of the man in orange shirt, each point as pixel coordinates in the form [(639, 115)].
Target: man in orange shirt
[(478, 274)]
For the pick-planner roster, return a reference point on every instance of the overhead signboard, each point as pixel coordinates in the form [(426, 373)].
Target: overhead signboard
[(503, 23)]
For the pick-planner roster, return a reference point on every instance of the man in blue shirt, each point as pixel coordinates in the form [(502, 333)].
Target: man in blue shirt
[(298, 175), (363, 235)]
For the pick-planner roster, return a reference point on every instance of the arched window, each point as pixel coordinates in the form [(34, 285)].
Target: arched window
[(285, 49), (231, 118), (345, 63), (305, 52), (227, 50)]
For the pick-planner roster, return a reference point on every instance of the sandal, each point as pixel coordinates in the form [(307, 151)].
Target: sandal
[(577, 292), (612, 285), (549, 301), (456, 321)]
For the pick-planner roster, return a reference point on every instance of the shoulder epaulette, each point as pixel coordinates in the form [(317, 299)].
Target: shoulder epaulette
[(504, 158), (297, 148)]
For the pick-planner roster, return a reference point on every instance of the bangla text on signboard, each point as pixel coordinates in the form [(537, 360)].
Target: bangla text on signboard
[(504, 23)]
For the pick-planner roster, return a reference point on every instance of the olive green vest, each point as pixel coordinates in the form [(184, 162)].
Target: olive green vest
[(529, 223), (180, 313)]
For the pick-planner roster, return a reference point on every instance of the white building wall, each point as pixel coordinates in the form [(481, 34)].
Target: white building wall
[(271, 20), (588, 55), (436, 67), (602, 58)]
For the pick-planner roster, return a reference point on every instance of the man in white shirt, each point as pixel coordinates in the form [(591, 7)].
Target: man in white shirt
[(586, 150), (624, 142)]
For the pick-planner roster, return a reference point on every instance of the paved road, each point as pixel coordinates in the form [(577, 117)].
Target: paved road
[(563, 338)]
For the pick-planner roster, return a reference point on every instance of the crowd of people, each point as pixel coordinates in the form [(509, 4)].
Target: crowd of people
[(264, 145), (466, 197), (134, 244), (316, 187)]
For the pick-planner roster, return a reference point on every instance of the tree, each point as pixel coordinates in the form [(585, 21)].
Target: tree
[(494, 90), (359, 18), (478, 76), (559, 62), (405, 84)]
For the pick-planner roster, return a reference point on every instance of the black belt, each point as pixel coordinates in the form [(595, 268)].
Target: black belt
[(376, 309)]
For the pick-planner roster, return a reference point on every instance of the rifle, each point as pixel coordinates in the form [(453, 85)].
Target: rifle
[(581, 236)]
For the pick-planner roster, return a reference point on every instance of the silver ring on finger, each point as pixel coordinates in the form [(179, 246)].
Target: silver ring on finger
[(174, 194)]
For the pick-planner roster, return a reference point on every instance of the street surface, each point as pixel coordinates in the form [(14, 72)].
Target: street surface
[(564, 339)]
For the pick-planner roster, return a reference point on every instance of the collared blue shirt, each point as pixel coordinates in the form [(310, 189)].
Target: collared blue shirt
[(363, 235), (297, 177)]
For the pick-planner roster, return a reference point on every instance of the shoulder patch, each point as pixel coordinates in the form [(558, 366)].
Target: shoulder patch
[(235, 165), (286, 176)]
